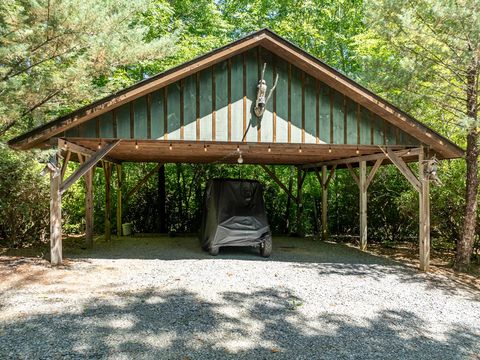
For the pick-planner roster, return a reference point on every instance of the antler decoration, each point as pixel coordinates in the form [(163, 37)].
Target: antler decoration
[(262, 98)]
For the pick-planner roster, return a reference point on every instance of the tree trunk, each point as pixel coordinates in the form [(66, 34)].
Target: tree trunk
[(465, 244)]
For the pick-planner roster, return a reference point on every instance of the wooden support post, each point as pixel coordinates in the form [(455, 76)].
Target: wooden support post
[(424, 211), (324, 204), (300, 178), (363, 204), (89, 208), (119, 199), (162, 216), (107, 170), (55, 213)]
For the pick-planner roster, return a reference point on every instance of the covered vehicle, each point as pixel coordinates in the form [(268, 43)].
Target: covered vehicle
[(234, 215)]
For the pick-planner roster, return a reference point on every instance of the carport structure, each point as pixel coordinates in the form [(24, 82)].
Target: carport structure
[(203, 112)]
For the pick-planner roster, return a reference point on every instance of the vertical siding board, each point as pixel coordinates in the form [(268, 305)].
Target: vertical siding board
[(266, 123), (149, 116), (197, 106), (352, 126), (165, 113), (244, 83), (338, 118), (324, 109), (237, 98), (281, 132), (303, 106), (173, 107), (311, 114), (296, 106), (123, 122), (89, 128), (229, 87), (157, 115), (251, 90), (140, 118), (365, 126), (379, 131), (206, 105), (221, 101), (214, 114), (182, 109), (274, 101), (189, 108), (132, 120), (106, 125)]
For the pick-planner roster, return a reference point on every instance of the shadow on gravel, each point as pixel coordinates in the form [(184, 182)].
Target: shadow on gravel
[(267, 325), (328, 258)]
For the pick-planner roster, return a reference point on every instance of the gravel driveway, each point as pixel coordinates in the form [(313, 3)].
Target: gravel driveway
[(163, 298)]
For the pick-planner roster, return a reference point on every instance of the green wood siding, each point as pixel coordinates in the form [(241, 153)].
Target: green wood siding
[(300, 109)]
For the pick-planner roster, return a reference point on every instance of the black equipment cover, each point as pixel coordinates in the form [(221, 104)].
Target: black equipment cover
[(234, 214)]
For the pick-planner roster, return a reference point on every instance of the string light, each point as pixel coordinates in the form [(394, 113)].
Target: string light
[(240, 159), (99, 144), (170, 147), (238, 148), (299, 149), (357, 151), (205, 148), (269, 148), (329, 149), (136, 145)]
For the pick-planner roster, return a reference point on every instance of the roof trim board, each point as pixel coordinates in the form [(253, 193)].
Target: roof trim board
[(281, 48)]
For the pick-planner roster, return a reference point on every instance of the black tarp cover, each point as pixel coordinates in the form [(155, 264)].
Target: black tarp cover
[(234, 214)]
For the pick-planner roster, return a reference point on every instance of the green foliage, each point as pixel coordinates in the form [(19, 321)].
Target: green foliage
[(53, 52), (23, 198)]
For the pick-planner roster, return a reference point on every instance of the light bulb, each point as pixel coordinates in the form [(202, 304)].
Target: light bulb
[(238, 148), (357, 152), (99, 145), (205, 148), (269, 148), (329, 149), (170, 147), (300, 149), (240, 159), (408, 152), (136, 145)]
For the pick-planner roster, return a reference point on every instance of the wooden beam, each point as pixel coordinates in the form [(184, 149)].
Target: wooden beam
[(79, 149), (64, 164), (357, 159), (107, 170), (354, 175), (424, 211), (363, 205), (88, 206), (373, 172), (119, 199), (143, 181), (87, 165), (404, 169), (55, 214), (325, 202), (279, 183), (300, 179)]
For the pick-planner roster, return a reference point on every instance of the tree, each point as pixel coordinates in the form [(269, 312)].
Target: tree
[(57, 55), (437, 47)]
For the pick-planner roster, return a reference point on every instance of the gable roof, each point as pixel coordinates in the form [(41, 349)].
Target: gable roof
[(276, 44)]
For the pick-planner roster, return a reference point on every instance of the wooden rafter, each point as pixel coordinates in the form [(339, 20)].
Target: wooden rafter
[(404, 169), (279, 183), (82, 150), (87, 165), (357, 159)]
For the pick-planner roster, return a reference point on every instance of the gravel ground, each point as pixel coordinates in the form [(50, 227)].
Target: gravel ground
[(164, 298)]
